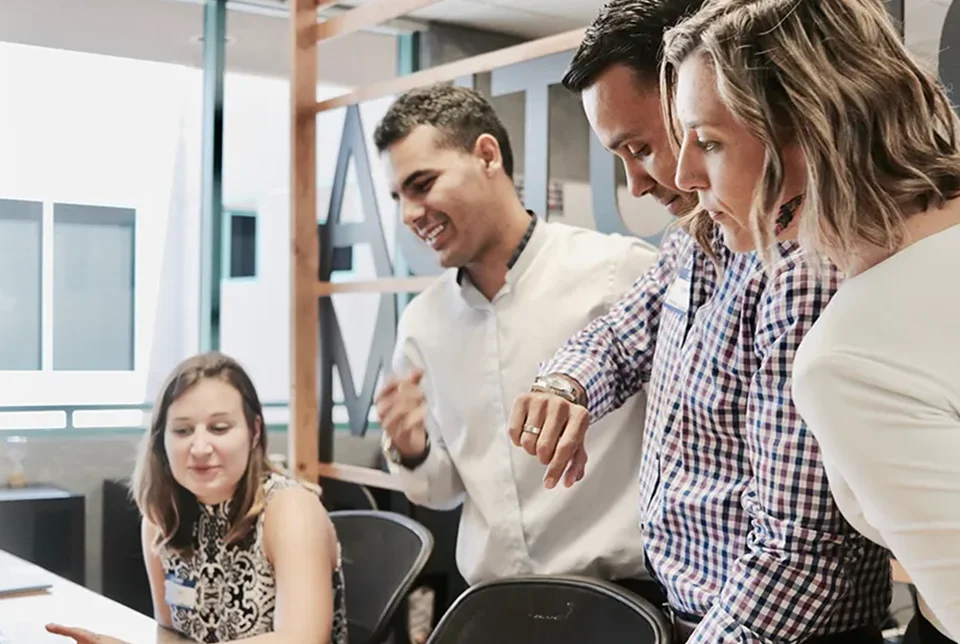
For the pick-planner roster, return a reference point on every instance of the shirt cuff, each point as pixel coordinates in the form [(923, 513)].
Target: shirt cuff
[(415, 482), (719, 627)]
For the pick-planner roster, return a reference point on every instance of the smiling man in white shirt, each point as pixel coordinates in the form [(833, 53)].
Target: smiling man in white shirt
[(516, 287)]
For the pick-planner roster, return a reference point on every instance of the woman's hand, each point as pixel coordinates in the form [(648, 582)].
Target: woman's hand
[(81, 636)]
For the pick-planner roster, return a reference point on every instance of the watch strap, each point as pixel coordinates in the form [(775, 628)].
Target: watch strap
[(408, 463)]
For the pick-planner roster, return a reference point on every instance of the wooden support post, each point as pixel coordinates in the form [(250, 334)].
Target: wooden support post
[(302, 435)]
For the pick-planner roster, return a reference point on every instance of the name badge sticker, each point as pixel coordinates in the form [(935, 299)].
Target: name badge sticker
[(678, 295), (181, 593)]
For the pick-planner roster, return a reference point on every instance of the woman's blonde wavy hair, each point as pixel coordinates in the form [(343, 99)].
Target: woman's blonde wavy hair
[(161, 499), (877, 131)]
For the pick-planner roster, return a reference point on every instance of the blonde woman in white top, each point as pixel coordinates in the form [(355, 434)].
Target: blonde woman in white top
[(772, 92)]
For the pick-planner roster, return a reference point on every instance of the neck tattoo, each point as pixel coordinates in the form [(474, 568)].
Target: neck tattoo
[(787, 212)]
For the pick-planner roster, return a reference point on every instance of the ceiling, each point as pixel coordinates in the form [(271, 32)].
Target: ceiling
[(536, 18), (168, 30)]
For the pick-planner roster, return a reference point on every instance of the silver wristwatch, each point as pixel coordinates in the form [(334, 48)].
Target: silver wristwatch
[(394, 456), (556, 384)]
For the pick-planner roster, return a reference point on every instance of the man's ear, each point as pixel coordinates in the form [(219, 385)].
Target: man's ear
[(488, 151)]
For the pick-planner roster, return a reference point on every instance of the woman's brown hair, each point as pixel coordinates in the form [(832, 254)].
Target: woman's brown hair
[(169, 506), (878, 134)]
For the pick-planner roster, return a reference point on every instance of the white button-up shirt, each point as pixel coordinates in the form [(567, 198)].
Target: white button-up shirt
[(478, 356)]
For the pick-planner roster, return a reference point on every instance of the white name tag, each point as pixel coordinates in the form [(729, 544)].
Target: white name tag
[(179, 593), (678, 295)]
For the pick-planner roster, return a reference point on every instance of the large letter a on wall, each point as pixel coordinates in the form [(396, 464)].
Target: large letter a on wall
[(338, 234)]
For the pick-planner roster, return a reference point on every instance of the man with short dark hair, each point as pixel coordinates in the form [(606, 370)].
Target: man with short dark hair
[(470, 343), (740, 529), (616, 73)]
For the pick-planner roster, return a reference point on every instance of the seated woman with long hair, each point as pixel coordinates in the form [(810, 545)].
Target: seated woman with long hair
[(821, 103), (234, 549)]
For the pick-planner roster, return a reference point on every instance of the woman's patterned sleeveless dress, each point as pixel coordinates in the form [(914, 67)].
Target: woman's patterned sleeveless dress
[(231, 589)]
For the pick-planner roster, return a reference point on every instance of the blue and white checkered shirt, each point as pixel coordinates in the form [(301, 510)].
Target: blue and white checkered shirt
[(739, 524)]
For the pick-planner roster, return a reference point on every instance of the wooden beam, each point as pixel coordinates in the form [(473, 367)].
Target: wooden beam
[(359, 475), (303, 434), (451, 71), (370, 14), (383, 285)]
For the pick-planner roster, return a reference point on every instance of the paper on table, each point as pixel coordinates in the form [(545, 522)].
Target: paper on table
[(17, 580)]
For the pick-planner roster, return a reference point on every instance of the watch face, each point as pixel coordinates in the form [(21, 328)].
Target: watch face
[(391, 452)]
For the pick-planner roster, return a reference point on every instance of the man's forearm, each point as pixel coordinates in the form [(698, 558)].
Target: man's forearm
[(612, 357)]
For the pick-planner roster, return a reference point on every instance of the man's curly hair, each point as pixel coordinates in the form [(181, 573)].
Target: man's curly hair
[(460, 114)]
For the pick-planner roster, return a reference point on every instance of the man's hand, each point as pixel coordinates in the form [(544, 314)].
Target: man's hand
[(551, 428), (402, 409)]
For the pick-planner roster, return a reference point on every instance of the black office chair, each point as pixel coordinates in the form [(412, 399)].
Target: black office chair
[(383, 552), (551, 609), (343, 495)]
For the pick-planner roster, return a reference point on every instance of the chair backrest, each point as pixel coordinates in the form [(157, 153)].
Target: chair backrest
[(343, 495), (383, 553), (555, 609)]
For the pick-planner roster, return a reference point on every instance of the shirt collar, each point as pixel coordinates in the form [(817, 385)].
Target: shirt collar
[(518, 251)]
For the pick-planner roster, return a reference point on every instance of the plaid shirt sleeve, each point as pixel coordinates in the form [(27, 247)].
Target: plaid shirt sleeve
[(611, 357), (784, 587)]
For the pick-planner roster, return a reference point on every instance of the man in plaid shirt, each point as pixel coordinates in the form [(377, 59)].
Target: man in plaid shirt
[(740, 528)]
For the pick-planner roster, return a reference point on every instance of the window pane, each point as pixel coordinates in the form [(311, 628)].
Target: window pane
[(243, 246), (93, 281), (21, 272)]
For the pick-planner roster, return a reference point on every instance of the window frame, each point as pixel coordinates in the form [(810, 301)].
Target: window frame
[(37, 218), (226, 245)]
